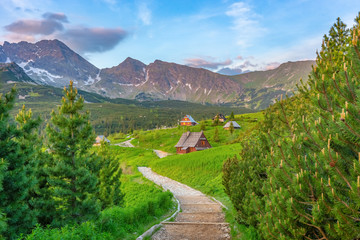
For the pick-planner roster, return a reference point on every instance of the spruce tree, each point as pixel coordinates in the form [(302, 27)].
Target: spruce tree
[(18, 179), (216, 135), (109, 178), (202, 126), (232, 117), (73, 171), (309, 168), (231, 128)]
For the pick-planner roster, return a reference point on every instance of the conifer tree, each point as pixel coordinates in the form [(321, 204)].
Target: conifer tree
[(74, 169), (216, 120), (310, 153), (109, 178), (202, 126), (18, 179), (231, 128), (232, 117), (216, 135)]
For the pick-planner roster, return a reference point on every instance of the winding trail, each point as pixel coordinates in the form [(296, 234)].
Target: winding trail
[(126, 143), (200, 218)]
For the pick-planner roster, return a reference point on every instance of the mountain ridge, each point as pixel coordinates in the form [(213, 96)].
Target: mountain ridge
[(51, 62)]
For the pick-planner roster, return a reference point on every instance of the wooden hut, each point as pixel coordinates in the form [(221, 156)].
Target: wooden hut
[(221, 117), (191, 142), (100, 138), (188, 121), (235, 125)]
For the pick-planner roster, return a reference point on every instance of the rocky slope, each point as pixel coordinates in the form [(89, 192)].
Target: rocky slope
[(51, 62), (12, 73), (163, 80)]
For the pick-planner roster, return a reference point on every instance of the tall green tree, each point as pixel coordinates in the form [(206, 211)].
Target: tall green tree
[(231, 128), (109, 178), (232, 117), (73, 173), (18, 178), (308, 148), (216, 135)]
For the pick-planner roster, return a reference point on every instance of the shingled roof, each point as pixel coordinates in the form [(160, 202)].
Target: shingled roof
[(189, 139), (235, 124), (190, 119)]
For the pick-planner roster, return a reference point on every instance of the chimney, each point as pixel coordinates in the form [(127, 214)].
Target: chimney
[(187, 133)]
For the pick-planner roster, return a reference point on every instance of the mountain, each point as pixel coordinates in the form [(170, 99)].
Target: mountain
[(12, 73), (286, 76), (50, 62), (261, 88), (163, 80)]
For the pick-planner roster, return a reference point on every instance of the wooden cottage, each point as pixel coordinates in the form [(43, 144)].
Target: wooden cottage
[(191, 142), (235, 125), (221, 117), (188, 121), (100, 138)]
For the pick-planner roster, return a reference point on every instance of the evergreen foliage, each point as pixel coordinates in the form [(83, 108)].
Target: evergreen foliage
[(202, 126), (216, 135), (232, 117), (231, 128), (109, 178), (299, 174), (17, 174), (73, 172)]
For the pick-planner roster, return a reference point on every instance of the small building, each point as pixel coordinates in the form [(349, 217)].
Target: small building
[(188, 121), (221, 117), (191, 142), (100, 138), (235, 125)]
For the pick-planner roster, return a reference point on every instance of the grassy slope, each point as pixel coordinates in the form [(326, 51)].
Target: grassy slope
[(200, 170), (113, 115)]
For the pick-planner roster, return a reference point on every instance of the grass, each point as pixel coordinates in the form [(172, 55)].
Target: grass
[(166, 139), (201, 170)]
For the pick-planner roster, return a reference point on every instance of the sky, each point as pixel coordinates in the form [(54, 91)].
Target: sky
[(214, 34)]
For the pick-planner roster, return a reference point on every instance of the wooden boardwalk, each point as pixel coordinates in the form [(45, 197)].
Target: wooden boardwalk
[(200, 217)]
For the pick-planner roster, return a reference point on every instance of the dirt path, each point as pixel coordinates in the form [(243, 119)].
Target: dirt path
[(200, 218), (126, 143), (161, 154)]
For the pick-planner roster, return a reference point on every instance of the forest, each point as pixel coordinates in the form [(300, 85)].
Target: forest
[(298, 174)]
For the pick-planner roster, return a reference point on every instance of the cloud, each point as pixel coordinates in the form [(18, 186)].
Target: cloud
[(230, 71), (61, 17), (247, 64), (245, 22), (202, 63), (144, 14), (85, 39), (81, 39), (41, 27), (272, 65)]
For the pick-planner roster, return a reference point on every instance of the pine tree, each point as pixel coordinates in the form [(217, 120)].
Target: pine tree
[(202, 126), (18, 179), (74, 169), (216, 120), (231, 128), (109, 178), (309, 170), (232, 117), (216, 135)]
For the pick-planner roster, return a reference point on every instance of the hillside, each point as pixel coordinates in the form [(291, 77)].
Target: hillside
[(201, 170), (263, 87), (107, 115), (51, 62)]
